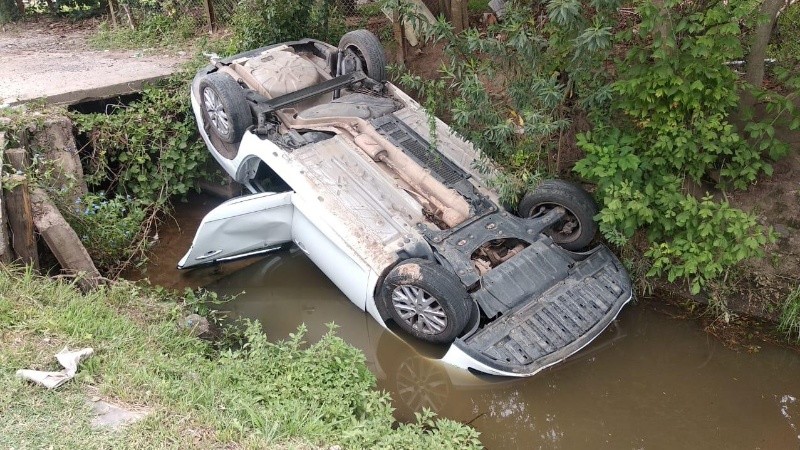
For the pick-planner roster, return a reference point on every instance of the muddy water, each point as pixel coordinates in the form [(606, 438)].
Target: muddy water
[(650, 381), (175, 234)]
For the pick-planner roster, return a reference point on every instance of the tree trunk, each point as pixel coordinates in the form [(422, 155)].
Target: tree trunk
[(210, 15), (459, 14), (131, 22), (444, 9), (399, 37), (663, 30), (113, 13), (759, 39), (62, 240), (5, 247)]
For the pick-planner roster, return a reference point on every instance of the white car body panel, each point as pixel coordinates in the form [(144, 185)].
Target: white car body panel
[(331, 254), (242, 226)]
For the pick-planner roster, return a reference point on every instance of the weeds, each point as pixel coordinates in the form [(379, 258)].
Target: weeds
[(149, 148), (789, 322), (154, 30), (255, 395), (110, 229), (257, 23), (143, 154)]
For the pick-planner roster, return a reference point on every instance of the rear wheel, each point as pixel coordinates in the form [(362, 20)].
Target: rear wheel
[(426, 300), (225, 108), (362, 49), (577, 228)]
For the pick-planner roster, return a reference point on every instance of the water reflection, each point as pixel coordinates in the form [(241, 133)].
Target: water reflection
[(647, 382)]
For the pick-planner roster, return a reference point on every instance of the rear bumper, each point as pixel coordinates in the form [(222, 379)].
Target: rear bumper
[(547, 329)]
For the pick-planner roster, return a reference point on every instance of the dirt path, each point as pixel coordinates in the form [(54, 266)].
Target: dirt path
[(53, 60)]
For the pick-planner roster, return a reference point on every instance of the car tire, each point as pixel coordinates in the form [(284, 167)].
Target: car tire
[(577, 229), (365, 46), (225, 108), (418, 283)]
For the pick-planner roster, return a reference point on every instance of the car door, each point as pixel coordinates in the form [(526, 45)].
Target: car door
[(335, 258), (240, 227)]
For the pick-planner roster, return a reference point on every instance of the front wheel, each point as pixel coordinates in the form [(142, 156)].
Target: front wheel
[(224, 107), (577, 228), (426, 300)]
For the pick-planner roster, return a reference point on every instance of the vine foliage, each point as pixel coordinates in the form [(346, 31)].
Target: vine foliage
[(674, 95), (147, 149), (143, 155)]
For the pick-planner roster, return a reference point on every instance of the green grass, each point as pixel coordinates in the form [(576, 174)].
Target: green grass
[(371, 10), (261, 394), (154, 30), (789, 322), (477, 6)]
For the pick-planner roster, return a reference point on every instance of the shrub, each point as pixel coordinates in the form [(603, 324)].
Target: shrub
[(147, 149), (674, 95), (110, 229), (515, 88), (257, 23), (8, 11), (144, 154)]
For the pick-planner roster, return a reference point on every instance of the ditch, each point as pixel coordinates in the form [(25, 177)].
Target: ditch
[(650, 381)]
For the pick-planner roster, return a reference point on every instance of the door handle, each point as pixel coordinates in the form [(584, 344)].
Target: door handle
[(300, 245), (209, 254)]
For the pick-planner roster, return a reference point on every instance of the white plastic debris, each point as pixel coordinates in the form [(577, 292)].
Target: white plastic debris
[(51, 380)]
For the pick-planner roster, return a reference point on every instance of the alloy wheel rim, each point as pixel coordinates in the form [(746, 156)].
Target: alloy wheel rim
[(216, 112), (419, 309)]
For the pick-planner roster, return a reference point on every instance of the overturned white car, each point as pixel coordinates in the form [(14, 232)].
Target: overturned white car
[(340, 162)]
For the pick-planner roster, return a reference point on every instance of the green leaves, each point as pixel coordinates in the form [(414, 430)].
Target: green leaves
[(111, 229), (514, 88), (257, 23), (594, 38), (144, 154), (675, 96), (149, 148), (565, 13)]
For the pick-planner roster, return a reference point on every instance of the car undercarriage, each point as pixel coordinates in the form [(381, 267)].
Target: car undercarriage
[(407, 201)]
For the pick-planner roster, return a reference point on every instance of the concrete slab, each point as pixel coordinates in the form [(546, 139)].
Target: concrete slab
[(109, 415), (53, 61)]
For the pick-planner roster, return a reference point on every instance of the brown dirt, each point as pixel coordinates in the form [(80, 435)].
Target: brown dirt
[(762, 285), (45, 34)]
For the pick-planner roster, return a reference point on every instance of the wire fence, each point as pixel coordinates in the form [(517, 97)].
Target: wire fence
[(220, 12)]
